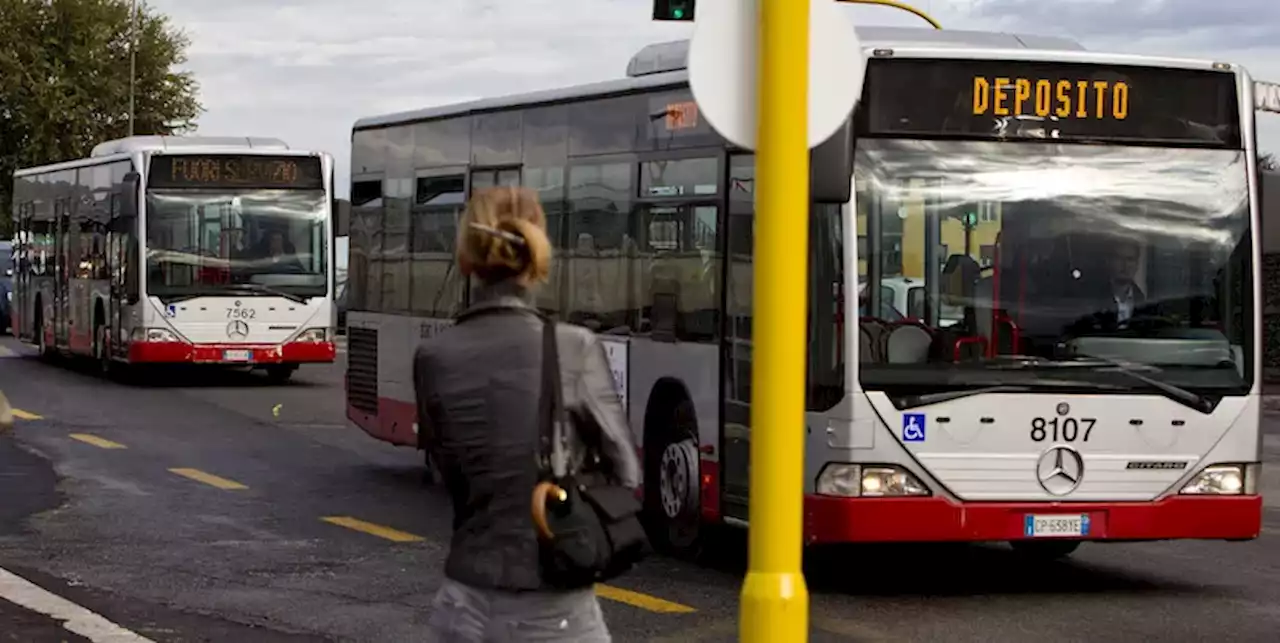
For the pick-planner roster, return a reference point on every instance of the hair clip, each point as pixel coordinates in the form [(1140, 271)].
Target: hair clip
[(490, 230)]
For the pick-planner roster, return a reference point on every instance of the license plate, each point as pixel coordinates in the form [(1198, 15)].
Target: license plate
[(237, 356), (1060, 526)]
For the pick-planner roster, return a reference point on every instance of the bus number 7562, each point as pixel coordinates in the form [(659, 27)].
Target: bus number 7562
[(1062, 429)]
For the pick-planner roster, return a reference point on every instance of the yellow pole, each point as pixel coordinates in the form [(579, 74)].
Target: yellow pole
[(775, 601)]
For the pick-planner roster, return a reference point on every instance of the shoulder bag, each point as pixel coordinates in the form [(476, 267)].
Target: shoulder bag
[(589, 529)]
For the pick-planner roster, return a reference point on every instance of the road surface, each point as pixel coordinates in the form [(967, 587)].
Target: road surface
[(222, 508)]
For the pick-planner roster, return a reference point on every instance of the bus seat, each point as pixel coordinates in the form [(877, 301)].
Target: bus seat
[(908, 344)]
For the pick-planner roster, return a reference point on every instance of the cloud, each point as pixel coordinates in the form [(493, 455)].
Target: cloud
[(305, 70), (1194, 22)]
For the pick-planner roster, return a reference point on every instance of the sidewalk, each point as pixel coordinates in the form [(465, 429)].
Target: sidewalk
[(31, 614), (18, 624)]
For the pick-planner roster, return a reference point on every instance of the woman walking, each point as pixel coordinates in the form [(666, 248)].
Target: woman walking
[(478, 386)]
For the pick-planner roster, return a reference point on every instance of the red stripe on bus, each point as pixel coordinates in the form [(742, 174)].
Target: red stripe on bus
[(842, 520), (183, 353)]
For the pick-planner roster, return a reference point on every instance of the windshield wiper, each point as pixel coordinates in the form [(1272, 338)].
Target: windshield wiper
[(1201, 403), (925, 399), (177, 299), (267, 290)]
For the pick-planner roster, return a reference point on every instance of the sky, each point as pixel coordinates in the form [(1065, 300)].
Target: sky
[(306, 70)]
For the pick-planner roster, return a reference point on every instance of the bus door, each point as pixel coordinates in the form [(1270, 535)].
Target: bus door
[(62, 271), (24, 265), (117, 260)]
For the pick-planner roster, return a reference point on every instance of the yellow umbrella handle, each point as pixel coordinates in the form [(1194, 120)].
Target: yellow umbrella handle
[(543, 492)]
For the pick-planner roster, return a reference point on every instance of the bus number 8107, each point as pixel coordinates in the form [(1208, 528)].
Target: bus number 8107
[(1062, 429)]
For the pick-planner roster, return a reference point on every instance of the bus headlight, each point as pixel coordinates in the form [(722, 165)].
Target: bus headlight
[(153, 335), (868, 481), (1223, 480), (313, 335)]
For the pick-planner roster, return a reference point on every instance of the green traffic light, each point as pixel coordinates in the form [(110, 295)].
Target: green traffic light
[(673, 10)]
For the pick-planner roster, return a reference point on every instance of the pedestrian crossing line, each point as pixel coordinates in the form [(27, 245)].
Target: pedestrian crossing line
[(209, 479), (642, 601), (387, 533), (101, 443), (26, 415)]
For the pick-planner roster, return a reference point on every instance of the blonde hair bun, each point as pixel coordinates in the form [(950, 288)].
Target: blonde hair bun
[(503, 236)]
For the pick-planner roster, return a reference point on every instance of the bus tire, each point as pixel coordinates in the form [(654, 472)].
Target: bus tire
[(672, 490), (42, 344), (280, 373), (1045, 550), (101, 343)]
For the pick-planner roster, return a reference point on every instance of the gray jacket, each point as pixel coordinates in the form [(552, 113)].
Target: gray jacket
[(477, 386)]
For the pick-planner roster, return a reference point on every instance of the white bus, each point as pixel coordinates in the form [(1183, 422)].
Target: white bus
[(178, 250), (1024, 396)]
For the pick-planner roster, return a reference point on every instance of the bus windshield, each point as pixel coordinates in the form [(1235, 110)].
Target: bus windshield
[(1047, 255), (209, 242)]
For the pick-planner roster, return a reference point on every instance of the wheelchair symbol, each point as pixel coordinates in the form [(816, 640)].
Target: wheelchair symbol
[(171, 311), (913, 427)]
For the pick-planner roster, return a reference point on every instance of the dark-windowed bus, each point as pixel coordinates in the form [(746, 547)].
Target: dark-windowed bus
[(1035, 319)]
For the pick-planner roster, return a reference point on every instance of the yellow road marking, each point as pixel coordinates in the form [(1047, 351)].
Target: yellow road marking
[(634, 599), (96, 441), (209, 479), (356, 524), (26, 415), (642, 601)]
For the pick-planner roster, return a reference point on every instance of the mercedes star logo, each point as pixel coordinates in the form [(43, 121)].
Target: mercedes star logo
[(237, 329), (1060, 470)]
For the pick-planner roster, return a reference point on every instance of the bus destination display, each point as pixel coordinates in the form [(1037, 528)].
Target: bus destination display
[(235, 171), (999, 99)]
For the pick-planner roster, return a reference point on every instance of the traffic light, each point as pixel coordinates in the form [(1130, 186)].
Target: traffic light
[(673, 10), (970, 219)]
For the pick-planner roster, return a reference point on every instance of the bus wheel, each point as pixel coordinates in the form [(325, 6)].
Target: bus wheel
[(280, 373), (102, 340), (42, 344), (1045, 550), (672, 488)]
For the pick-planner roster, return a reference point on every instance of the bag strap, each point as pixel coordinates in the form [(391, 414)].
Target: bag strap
[(552, 418)]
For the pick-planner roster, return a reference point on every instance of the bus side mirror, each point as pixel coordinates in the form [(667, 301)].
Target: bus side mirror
[(125, 220), (341, 217), (129, 195), (831, 167)]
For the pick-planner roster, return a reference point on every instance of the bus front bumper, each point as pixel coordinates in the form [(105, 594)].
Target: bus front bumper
[(232, 354), (850, 520)]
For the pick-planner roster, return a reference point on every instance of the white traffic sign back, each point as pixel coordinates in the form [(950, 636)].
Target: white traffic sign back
[(723, 62)]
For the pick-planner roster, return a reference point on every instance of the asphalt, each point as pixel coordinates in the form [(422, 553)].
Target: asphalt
[(311, 531)]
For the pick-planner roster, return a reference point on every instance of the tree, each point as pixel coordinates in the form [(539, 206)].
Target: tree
[(65, 71)]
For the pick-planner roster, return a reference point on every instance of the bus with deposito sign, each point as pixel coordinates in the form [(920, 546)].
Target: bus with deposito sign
[(178, 250), (1090, 373)]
